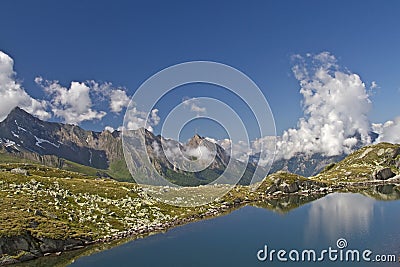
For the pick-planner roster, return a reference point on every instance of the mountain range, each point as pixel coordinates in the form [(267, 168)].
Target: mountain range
[(70, 147)]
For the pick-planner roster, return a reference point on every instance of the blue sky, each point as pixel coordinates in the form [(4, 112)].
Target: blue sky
[(125, 42)]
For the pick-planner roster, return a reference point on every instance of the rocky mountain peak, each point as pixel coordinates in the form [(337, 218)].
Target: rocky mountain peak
[(196, 136), (195, 141), (18, 113)]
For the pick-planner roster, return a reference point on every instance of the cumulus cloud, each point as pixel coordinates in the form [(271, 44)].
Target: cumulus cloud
[(335, 104), (136, 119), (12, 93), (154, 118), (77, 102), (388, 131), (193, 105), (268, 145), (73, 104), (118, 100), (240, 150), (200, 153), (106, 91), (185, 156)]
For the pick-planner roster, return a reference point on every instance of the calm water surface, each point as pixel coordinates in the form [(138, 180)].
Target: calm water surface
[(234, 239)]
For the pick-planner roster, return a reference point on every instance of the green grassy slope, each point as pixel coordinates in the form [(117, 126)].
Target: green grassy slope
[(76, 203), (360, 165)]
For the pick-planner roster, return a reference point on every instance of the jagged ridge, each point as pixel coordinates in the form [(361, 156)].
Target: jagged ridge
[(71, 147)]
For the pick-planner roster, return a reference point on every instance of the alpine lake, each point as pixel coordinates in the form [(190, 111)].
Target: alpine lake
[(343, 229)]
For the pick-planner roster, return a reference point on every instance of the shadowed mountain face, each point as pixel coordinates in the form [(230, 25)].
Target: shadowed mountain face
[(305, 165), (22, 134)]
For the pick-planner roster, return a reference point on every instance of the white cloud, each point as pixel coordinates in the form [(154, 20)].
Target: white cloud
[(268, 145), (12, 93), (374, 85), (184, 156), (118, 100), (77, 102), (106, 91), (388, 132), (212, 140), (240, 150), (154, 118), (170, 149), (72, 104), (194, 106), (200, 153), (102, 89), (136, 119), (225, 143), (335, 105), (109, 128)]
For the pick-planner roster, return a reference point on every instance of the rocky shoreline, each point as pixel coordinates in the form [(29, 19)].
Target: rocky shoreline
[(33, 248)]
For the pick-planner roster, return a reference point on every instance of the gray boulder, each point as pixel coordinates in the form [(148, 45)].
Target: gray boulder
[(272, 189), (293, 187), (383, 174)]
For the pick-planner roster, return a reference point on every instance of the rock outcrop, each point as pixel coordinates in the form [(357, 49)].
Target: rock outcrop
[(293, 187), (383, 174), (31, 247), (396, 152)]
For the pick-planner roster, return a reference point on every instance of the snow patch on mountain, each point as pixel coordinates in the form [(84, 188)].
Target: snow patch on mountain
[(9, 143), (14, 134), (40, 141)]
